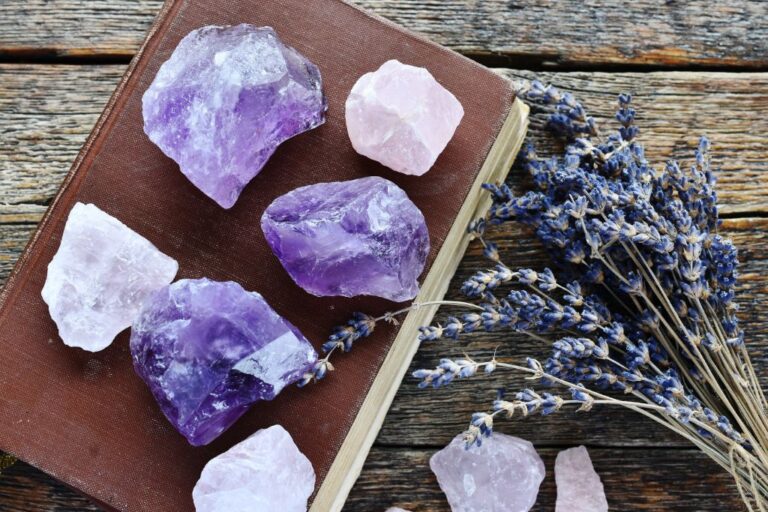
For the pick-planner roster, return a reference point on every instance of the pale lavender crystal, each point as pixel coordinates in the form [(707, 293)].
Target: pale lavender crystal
[(264, 473), (501, 475), (579, 488), (100, 276), (348, 238), (208, 350), (224, 101)]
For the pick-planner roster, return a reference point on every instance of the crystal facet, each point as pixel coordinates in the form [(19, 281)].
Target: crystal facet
[(265, 473), (100, 276), (400, 116), (501, 475), (348, 238), (225, 100), (579, 488), (208, 350)]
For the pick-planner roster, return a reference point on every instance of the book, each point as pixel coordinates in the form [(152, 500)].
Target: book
[(88, 419)]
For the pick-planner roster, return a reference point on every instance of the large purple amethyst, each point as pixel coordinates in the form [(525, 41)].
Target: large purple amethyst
[(208, 350), (224, 101), (358, 237)]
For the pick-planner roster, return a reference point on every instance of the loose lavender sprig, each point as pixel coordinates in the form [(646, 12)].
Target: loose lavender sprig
[(361, 326)]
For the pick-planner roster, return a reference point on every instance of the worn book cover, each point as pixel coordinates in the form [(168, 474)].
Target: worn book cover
[(86, 418)]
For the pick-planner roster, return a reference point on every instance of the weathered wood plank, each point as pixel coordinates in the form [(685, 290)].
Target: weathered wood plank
[(432, 417), (653, 480), (650, 480), (49, 110), (25, 489), (518, 32)]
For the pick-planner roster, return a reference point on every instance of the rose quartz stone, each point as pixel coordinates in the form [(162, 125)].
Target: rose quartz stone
[(400, 116), (579, 488), (265, 472), (501, 475)]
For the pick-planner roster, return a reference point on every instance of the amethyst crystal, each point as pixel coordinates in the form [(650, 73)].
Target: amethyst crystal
[(225, 100), (208, 350), (358, 237)]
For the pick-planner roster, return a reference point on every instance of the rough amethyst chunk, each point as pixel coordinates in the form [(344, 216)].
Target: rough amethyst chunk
[(208, 350), (348, 238), (225, 100)]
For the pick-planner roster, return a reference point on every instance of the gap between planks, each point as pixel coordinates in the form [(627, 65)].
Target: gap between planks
[(568, 34)]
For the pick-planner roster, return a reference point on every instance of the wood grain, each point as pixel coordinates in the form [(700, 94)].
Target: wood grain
[(49, 109), (650, 480), (48, 112), (634, 480), (573, 33), (25, 489)]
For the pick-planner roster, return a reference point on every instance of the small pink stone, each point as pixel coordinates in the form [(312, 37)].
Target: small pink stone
[(579, 488), (501, 475), (400, 116)]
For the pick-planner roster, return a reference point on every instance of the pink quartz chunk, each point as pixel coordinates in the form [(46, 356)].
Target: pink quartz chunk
[(266, 472), (400, 116), (579, 488), (501, 475)]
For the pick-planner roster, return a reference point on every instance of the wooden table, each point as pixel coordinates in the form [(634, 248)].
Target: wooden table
[(693, 66)]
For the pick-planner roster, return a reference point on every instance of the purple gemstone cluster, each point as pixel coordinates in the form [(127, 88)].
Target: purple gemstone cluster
[(219, 107), (209, 350), (222, 103)]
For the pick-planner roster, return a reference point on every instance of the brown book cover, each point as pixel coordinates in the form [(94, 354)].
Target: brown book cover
[(88, 419)]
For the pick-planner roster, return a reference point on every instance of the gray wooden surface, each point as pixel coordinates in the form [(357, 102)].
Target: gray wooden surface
[(693, 66)]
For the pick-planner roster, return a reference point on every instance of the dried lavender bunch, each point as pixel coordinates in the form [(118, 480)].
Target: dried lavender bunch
[(641, 301), (639, 310)]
